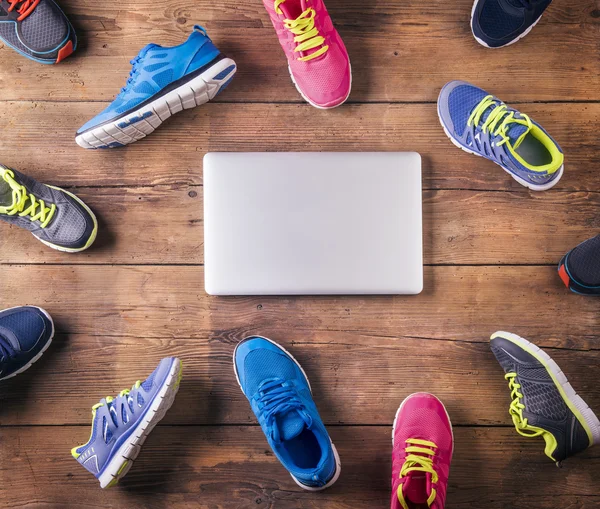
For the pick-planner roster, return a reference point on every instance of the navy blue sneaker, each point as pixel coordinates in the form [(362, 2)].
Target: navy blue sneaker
[(162, 82), (498, 23), (280, 397), (580, 268), (25, 334), (481, 124), (38, 29), (121, 425)]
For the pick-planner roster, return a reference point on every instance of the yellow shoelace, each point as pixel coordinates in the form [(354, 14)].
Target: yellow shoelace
[(516, 409), (37, 209), (415, 463), (307, 35), (498, 120), (124, 392)]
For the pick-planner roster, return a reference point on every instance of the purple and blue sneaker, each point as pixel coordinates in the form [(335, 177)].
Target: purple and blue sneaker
[(498, 23), (481, 124), (25, 334), (280, 396), (162, 82), (121, 425)]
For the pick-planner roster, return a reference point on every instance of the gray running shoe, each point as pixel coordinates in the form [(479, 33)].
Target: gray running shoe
[(56, 217), (543, 401)]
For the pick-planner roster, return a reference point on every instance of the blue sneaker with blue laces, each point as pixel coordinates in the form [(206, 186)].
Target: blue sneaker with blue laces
[(481, 124), (25, 334), (121, 425), (280, 396), (162, 82), (498, 23)]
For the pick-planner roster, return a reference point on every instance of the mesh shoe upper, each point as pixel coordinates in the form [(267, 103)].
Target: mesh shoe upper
[(583, 263), (41, 34)]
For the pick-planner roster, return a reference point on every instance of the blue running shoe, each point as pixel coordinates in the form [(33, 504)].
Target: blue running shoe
[(162, 82), (37, 29), (281, 399), (25, 334), (481, 124), (121, 425), (498, 23), (580, 268)]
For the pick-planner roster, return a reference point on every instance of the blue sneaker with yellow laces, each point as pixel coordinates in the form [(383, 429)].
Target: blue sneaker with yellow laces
[(481, 124), (121, 425), (280, 396), (162, 82), (25, 334)]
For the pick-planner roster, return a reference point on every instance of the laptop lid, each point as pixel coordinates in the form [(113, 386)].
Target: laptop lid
[(312, 223)]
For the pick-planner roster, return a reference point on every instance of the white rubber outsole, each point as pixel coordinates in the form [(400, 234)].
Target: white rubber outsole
[(575, 403), (528, 185), (483, 43), (92, 236), (123, 459), (338, 469), (140, 123), (39, 355), (314, 104)]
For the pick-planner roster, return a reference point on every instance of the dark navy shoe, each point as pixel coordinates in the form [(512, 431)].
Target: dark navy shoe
[(25, 334), (543, 401), (497, 23), (162, 82), (37, 29), (580, 268), (280, 396)]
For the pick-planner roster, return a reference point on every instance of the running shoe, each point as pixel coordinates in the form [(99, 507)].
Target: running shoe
[(56, 217), (280, 396), (580, 268), (37, 29), (121, 425), (422, 443), (543, 401), (498, 23), (317, 58), (162, 82), (481, 124), (25, 334)]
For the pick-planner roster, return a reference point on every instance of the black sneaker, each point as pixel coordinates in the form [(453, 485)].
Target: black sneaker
[(38, 29), (580, 268), (544, 403), (56, 217)]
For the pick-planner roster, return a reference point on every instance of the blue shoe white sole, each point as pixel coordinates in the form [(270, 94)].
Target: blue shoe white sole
[(338, 463), (39, 355), (123, 459), (143, 121), (529, 185)]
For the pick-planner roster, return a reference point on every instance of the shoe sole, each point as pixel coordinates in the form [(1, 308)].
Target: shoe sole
[(145, 120), (533, 187), (314, 104), (39, 355), (580, 409), (118, 467), (338, 463), (92, 236), (483, 43)]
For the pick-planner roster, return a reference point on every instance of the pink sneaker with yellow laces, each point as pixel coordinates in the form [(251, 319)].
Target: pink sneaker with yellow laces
[(422, 443), (317, 58)]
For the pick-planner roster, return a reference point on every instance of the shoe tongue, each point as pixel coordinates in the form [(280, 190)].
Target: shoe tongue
[(515, 131), (290, 424), (6, 198), (293, 8), (145, 49), (415, 488)]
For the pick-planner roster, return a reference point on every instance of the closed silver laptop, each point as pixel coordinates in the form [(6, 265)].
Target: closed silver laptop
[(313, 223)]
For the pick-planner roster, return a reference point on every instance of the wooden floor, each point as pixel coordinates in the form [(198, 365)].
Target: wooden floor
[(491, 249)]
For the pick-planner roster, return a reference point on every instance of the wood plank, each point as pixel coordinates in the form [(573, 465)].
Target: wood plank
[(233, 467), (458, 303), (163, 225), (392, 41), (356, 378), (173, 154)]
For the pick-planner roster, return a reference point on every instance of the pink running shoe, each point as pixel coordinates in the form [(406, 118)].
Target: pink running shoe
[(317, 58), (422, 443)]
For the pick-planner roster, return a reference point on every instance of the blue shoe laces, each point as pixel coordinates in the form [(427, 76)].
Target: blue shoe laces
[(6, 349), (133, 73), (277, 397)]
